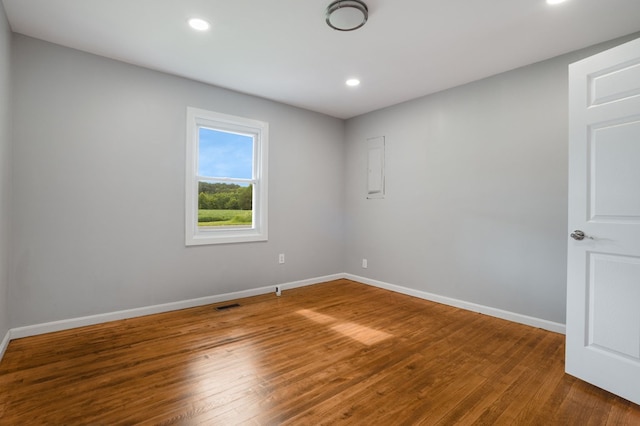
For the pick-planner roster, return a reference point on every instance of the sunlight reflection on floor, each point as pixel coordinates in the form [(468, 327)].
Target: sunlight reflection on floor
[(229, 388), (361, 333), (315, 316)]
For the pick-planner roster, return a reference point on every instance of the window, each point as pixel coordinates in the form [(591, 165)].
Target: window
[(226, 182)]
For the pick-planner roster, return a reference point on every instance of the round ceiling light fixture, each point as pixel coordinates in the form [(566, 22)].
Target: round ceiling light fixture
[(347, 15)]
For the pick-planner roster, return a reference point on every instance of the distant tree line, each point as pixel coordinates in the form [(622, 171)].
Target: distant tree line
[(224, 196)]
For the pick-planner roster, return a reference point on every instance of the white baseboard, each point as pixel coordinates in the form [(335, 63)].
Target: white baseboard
[(33, 330), (494, 312), (5, 343), (312, 281), (49, 327)]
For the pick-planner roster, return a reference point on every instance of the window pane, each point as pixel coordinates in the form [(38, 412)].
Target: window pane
[(224, 154), (225, 204), (226, 178)]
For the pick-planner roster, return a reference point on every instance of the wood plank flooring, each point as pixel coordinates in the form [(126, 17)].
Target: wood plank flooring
[(334, 353)]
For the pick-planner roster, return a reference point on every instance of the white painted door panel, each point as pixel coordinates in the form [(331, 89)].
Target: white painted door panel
[(603, 272), (375, 167)]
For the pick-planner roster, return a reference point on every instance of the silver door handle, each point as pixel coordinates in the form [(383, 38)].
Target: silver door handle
[(578, 235)]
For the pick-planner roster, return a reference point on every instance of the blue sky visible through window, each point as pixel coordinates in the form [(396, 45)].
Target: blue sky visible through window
[(223, 154)]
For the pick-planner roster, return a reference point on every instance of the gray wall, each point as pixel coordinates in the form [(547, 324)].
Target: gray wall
[(476, 199), (5, 167), (475, 206), (99, 163)]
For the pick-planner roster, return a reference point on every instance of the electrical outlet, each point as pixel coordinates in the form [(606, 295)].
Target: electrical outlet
[(281, 258), (364, 263), (278, 290)]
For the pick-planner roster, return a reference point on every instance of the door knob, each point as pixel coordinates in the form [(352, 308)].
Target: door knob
[(577, 235)]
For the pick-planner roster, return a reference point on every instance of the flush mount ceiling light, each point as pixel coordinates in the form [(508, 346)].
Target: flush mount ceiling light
[(555, 1), (347, 15)]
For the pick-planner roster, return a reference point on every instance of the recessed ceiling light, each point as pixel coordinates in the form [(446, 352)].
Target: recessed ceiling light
[(555, 1), (199, 24), (353, 82)]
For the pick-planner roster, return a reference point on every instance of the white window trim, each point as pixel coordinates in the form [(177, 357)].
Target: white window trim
[(258, 231)]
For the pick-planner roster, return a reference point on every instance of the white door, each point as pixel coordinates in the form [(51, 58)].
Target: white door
[(603, 277)]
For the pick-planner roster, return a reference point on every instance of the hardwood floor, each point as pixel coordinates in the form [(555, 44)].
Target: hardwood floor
[(339, 352)]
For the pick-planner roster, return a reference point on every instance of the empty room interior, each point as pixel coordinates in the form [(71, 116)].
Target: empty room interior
[(404, 239)]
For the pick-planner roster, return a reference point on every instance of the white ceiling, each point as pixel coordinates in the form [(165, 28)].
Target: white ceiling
[(283, 49)]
